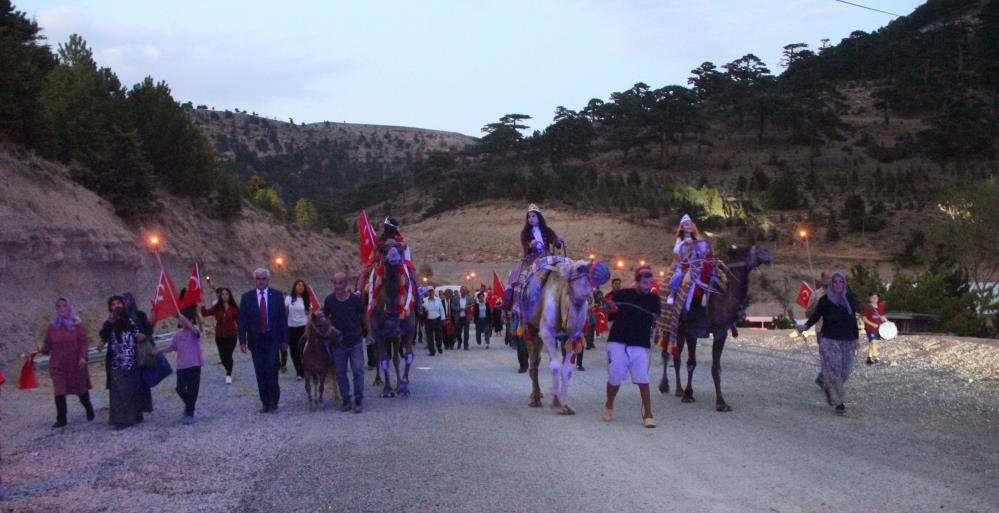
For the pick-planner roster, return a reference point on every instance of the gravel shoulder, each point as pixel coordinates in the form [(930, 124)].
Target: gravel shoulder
[(918, 436)]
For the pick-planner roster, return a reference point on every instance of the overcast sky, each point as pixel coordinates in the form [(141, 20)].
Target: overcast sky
[(453, 65)]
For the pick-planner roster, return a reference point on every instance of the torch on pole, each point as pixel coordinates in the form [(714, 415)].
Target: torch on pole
[(803, 233)]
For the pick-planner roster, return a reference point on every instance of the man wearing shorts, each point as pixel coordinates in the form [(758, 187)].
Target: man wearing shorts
[(633, 312)]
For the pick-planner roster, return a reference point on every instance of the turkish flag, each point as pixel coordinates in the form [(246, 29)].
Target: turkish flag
[(164, 301), (194, 294), (602, 324), (367, 237), (804, 295), (313, 299), (497, 286)]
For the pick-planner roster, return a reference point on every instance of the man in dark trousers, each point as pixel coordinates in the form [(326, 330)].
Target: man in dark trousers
[(459, 316), (263, 327)]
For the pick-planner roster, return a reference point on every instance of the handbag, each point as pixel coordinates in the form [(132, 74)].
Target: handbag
[(143, 353), (157, 372)]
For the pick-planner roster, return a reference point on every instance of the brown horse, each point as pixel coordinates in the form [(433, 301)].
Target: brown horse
[(560, 308), (317, 357), (723, 310)]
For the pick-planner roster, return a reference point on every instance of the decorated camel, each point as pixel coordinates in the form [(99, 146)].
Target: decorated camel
[(726, 304), (391, 305), (553, 304)]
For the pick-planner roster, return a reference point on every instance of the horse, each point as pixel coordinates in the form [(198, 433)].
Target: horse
[(393, 320), (317, 357), (560, 308), (724, 308)]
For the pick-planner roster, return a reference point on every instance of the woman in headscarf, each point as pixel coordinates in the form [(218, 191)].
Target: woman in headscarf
[(141, 323), (126, 375), (838, 344), (66, 343)]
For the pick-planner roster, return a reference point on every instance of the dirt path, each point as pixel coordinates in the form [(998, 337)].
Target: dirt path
[(918, 437)]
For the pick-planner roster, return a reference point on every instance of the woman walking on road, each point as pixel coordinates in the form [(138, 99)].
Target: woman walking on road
[(298, 306), (838, 342), (226, 312), (127, 398), (66, 342)]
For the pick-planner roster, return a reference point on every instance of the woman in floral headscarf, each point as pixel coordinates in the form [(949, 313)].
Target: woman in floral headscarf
[(838, 311), (66, 343)]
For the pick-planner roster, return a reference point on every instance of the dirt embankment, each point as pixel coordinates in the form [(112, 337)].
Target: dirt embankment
[(59, 239)]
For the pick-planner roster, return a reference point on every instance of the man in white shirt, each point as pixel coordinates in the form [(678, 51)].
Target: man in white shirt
[(435, 317)]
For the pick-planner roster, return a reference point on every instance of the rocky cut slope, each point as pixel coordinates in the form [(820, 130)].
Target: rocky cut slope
[(58, 239)]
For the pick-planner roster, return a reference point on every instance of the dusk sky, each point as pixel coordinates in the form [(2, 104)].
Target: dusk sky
[(444, 65)]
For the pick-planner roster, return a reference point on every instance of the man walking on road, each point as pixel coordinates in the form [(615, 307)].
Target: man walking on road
[(435, 317), (459, 316), (263, 323), (347, 315), (633, 311)]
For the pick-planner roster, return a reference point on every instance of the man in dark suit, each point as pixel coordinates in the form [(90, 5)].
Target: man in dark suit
[(459, 316), (263, 326)]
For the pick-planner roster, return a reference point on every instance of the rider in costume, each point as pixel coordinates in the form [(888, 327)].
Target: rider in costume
[(537, 240)]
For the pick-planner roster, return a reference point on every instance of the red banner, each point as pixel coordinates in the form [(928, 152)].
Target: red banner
[(194, 293), (313, 299), (497, 288), (804, 295), (367, 237), (164, 301)]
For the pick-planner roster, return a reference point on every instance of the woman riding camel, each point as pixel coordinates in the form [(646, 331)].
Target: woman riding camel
[(537, 240), (691, 252), (692, 256)]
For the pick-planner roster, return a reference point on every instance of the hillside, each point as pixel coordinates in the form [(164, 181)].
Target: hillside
[(60, 239), (326, 163)]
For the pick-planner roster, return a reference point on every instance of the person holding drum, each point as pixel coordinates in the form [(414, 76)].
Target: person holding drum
[(874, 317)]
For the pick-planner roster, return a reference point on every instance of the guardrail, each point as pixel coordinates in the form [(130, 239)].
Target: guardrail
[(93, 355)]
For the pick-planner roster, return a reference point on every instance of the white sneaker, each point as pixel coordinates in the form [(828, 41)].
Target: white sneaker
[(228, 380)]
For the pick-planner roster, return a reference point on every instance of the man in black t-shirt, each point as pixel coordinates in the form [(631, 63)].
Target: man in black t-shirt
[(346, 312), (633, 312)]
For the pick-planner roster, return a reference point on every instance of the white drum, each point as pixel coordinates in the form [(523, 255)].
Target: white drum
[(888, 330)]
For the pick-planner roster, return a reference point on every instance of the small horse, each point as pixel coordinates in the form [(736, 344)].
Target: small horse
[(317, 357), (722, 312), (392, 317), (561, 308)]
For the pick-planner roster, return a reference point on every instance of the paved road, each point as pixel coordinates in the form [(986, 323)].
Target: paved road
[(467, 441)]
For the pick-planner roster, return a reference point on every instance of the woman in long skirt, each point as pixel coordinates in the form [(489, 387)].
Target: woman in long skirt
[(126, 375), (838, 344), (66, 342)]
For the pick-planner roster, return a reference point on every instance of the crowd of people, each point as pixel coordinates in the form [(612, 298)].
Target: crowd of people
[(270, 325)]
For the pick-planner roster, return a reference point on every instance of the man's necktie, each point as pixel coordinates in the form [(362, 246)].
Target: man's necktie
[(263, 313)]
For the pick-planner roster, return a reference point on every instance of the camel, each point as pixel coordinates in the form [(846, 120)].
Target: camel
[(723, 310), (393, 319), (552, 304)]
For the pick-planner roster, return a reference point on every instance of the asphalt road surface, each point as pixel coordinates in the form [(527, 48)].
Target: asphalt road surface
[(467, 441)]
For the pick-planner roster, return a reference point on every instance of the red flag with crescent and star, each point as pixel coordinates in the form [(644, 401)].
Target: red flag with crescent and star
[(164, 301), (367, 237), (313, 299), (804, 295), (193, 295), (497, 289)]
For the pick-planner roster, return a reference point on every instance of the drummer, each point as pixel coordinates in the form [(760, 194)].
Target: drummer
[(874, 317)]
